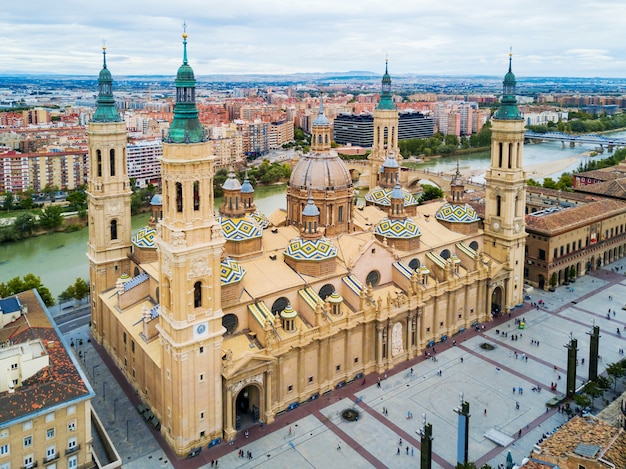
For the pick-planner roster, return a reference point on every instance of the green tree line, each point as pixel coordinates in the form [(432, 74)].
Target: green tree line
[(581, 122), (446, 145)]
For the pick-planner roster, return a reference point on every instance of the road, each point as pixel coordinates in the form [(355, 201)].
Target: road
[(74, 318)]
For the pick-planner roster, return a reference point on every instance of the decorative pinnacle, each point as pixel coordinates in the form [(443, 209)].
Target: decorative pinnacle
[(184, 43), (386, 62), (104, 53), (510, 57)]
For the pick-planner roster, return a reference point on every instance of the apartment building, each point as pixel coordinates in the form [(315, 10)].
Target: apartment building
[(45, 399), (143, 159)]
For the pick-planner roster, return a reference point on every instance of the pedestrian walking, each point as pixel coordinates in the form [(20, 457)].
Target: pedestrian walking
[(398, 452), (338, 445), (485, 413)]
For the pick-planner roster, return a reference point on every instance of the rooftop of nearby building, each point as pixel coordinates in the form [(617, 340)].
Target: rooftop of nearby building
[(615, 188), (57, 384), (589, 438), (568, 218)]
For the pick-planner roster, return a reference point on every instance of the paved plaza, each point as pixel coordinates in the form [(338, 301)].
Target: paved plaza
[(315, 435)]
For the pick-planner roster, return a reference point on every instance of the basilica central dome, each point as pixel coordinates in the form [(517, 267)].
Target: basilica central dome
[(320, 172)]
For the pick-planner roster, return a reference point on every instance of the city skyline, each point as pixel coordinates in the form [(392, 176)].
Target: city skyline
[(243, 37)]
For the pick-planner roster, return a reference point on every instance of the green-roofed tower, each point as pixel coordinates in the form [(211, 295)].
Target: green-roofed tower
[(108, 201), (105, 107), (505, 197), (386, 101), (508, 104), (385, 140), (190, 248), (185, 127)]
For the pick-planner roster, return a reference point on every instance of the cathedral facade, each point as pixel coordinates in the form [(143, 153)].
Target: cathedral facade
[(225, 320)]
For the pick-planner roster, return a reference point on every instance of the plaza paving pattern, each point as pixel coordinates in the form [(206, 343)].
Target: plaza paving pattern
[(485, 377)]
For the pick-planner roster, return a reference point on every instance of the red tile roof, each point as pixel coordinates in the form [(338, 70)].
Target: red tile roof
[(58, 383), (569, 218)]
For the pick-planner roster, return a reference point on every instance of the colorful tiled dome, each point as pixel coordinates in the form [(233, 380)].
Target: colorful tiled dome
[(288, 313), (397, 229), (239, 229), (144, 238), (335, 298), (310, 249), (382, 196), (456, 213), (260, 219), (231, 271)]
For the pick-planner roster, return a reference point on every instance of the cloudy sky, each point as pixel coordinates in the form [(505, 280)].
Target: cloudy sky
[(451, 37)]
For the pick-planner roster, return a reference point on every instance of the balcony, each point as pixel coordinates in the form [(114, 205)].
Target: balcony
[(72, 450), (51, 458), (29, 466)]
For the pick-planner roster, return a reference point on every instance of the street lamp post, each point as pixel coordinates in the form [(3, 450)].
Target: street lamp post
[(127, 422), (93, 370), (104, 390), (115, 408)]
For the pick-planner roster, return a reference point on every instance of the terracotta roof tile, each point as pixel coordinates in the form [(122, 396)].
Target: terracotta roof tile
[(568, 218), (590, 431), (615, 188), (57, 383)]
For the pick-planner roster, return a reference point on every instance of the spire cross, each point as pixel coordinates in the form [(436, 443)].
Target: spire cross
[(104, 53), (510, 56), (184, 43)]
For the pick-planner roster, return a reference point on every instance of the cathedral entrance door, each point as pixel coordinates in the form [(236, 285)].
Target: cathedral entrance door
[(248, 407), (496, 301)]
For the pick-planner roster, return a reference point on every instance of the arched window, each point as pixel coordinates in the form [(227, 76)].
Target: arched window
[(179, 197), (136, 272), (373, 278), (474, 245), (113, 229), (157, 295), (414, 264), (510, 155), (500, 155), (112, 161), (445, 254), (279, 305), (197, 294), (326, 291), (99, 162), (196, 195), (498, 205), (230, 322)]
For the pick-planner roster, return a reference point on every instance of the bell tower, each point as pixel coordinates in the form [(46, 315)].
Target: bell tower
[(190, 247), (385, 129), (108, 197), (505, 234)]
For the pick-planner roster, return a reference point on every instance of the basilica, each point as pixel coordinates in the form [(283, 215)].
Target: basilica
[(225, 320)]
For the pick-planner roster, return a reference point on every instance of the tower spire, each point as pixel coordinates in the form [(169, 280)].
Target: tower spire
[(185, 127), (386, 101), (508, 104), (105, 104)]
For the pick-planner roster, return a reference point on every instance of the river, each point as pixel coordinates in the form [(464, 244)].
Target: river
[(535, 155), (60, 258)]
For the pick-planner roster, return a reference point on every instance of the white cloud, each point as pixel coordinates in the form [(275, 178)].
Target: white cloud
[(549, 38)]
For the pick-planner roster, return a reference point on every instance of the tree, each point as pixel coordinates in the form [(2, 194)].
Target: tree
[(9, 201), (30, 281), (615, 371), (50, 217), (593, 390), (430, 193), (81, 289), (24, 224), (553, 280), (77, 199), (583, 400)]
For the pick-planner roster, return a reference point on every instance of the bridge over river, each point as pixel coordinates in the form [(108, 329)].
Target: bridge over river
[(592, 139), (410, 178)]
